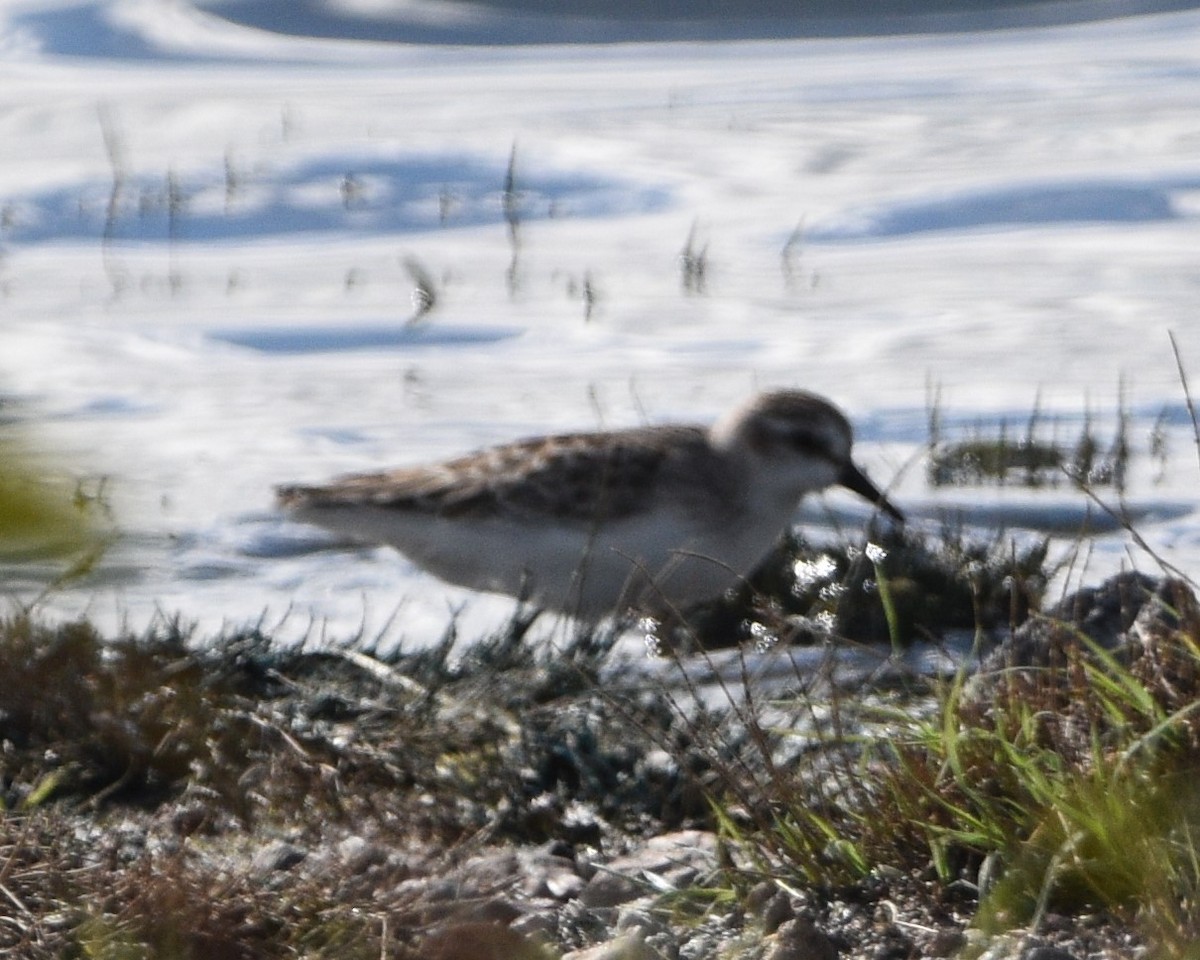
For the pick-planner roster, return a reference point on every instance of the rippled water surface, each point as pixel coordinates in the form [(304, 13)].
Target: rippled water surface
[(213, 232)]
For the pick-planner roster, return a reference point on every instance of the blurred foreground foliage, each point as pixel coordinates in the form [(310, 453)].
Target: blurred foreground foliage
[(43, 513)]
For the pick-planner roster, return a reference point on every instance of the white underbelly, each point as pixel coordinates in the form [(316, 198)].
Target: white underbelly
[(664, 563)]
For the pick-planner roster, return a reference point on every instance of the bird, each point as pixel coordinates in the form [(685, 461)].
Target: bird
[(593, 524)]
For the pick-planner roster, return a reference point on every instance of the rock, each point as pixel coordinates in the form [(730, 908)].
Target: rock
[(799, 939), (455, 900), (578, 926), (761, 894), (679, 858), (1160, 645), (425, 889), (489, 870), (694, 848), (487, 910), (656, 935), (1105, 612), (564, 885), (581, 824), (1017, 947), (277, 856), (353, 850), (777, 912), (637, 916), (894, 947), (699, 946), (545, 872), (479, 941), (1127, 615), (946, 943), (1102, 613), (357, 854), (189, 818), (610, 889), (666, 862), (1046, 953), (628, 946), (537, 925)]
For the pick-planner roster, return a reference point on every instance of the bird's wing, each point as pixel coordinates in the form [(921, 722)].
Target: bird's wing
[(585, 478)]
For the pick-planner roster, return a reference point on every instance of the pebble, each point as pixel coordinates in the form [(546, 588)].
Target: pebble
[(277, 856), (628, 946), (671, 861), (777, 912), (479, 941), (799, 939), (1046, 953)]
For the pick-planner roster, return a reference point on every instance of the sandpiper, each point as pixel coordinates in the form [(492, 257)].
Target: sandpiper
[(650, 518)]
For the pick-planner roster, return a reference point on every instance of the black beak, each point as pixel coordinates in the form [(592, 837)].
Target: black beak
[(854, 479)]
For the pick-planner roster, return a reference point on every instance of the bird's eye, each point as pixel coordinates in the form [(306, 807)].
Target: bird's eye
[(807, 442)]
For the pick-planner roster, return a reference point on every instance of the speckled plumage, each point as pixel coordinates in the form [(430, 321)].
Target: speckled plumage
[(573, 478)]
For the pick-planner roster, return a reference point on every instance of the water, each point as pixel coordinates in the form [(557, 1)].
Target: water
[(208, 231)]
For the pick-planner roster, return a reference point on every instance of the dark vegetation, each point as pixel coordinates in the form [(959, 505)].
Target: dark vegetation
[(141, 775), (1032, 456)]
